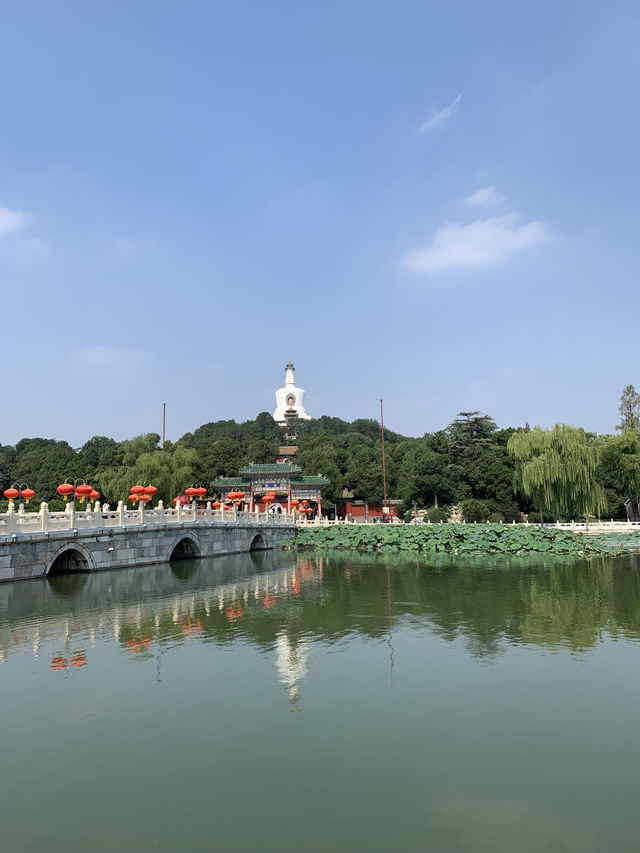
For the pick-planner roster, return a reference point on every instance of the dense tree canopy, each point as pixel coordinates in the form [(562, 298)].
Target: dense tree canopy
[(486, 472)]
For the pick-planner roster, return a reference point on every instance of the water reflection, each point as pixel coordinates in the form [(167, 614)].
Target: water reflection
[(282, 602)]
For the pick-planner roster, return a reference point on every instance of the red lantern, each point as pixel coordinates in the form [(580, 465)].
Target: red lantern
[(137, 490), (215, 505), (27, 494), (150, 490), (133, 498), (93, 496), (240, 495), (83, 491), (11, 494), (201, 492), (191, 492), (64, 490)]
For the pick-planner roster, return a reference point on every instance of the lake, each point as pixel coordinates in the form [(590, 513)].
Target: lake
[(288, 702)]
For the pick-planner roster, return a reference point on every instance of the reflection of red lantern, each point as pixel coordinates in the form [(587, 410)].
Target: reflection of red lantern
[(58, 662), (11, 494), (64, 490), (234, 613)]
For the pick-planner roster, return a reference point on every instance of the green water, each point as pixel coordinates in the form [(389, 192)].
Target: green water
[(274, 702)]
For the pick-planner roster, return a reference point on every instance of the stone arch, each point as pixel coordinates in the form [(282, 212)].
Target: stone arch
[(258, 543), (70, 558), (185, 547)]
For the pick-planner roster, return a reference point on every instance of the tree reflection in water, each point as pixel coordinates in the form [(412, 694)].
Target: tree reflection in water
[(284, 601)]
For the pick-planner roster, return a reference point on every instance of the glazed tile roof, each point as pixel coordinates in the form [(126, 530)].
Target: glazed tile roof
[(271, 468)]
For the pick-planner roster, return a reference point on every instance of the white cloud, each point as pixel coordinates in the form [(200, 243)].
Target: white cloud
[(11, 221), (482, 243), (484, 197), (439, 118)]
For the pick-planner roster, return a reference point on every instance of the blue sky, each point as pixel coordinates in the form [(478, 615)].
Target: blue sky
[(434, 203)]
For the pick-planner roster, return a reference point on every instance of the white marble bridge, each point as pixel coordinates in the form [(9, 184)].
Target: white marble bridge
[(43, 543)]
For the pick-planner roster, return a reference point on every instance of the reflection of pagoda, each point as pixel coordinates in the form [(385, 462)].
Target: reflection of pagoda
[(290, 399), (292, 664)]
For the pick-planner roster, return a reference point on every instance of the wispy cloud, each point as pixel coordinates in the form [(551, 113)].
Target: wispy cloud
[(107, 357), (437, 119), (482, 243), (126, 246), (11, 221), (31, 244), (484, 197)]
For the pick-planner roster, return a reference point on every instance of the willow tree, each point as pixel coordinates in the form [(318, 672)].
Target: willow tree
[(556, 470)]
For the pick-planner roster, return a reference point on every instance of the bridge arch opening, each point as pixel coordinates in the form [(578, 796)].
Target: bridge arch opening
[(185, 549), (70, 561), (258, 543)]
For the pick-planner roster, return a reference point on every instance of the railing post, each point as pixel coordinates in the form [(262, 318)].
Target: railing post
[(121, 515), (208, 511), (160, 512), (11, 518), (141, 512), (72, 514), (44, 517), (179, 510)]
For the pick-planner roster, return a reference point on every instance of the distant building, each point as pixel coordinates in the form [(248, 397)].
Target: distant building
[(282, 479), (290, 399)]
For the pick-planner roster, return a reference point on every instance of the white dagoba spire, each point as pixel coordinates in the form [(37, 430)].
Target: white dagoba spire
[(290, 399)]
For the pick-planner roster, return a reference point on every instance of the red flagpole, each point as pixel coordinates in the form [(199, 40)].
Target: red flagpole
[(384, 467)]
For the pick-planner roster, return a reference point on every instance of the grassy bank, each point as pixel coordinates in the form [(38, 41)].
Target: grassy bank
[(461, 539)]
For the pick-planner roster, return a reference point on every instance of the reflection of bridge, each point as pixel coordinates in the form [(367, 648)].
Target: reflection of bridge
[(146, 611), (37, 544)]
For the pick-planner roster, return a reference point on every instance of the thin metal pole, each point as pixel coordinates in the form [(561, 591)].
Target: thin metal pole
[(164, 423), (384, 467)]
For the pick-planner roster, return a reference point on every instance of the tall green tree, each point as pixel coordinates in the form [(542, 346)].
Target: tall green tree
[(629, 409), (556, 470), (619, 470)]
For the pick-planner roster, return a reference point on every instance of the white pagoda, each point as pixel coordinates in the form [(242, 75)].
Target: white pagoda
[(290, 400)]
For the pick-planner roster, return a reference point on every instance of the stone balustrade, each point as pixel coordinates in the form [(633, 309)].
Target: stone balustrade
[(16, 522)]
